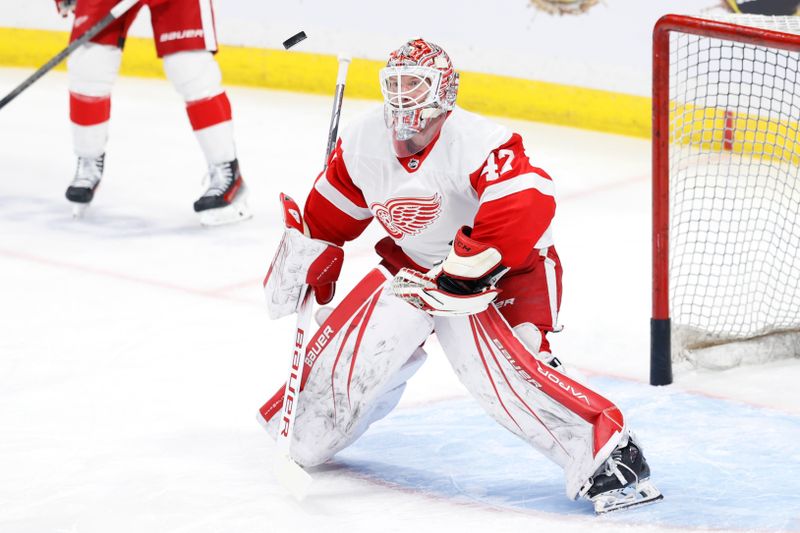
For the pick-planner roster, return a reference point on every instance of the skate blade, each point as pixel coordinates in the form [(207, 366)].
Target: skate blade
[(78, 209), (643, 493), (229, 214)]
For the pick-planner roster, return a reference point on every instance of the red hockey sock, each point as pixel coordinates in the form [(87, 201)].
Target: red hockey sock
[(89, 110), (209, 111)]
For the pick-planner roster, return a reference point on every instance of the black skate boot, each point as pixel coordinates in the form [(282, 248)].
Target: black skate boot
[(224, 200), (622, 482), (87, 178)]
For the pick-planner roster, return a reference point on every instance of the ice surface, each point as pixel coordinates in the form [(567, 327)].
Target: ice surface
[(135, 350), (453, 449)]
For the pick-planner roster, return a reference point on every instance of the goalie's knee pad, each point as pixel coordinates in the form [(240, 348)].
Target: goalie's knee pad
[(194, 74), (535, 340), (530, 336), (92, 69)]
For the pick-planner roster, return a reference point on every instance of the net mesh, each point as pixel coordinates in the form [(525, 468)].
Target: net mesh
[(734, 198)]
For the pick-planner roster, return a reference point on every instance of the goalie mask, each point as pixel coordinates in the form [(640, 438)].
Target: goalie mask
[(419, 88)]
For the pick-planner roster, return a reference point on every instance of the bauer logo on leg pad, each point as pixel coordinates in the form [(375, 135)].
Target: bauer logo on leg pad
[(543, 370), (319, 343), (513, 362)]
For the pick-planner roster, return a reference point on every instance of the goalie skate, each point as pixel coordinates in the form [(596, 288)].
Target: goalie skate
[(622, 482), (641, 493)]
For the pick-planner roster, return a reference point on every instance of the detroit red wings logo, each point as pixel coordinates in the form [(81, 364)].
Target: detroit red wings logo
[(407, 216)]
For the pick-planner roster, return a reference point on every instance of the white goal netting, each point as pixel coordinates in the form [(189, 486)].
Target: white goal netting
[(734, 198)]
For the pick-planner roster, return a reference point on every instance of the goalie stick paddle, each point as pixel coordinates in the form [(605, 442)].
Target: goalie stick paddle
[(291, 475), (117, 11)]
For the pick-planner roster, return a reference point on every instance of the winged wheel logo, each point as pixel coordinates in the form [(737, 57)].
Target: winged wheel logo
[(407, 216)]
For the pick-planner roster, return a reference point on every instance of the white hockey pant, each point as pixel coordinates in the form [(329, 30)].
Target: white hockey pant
[(567, 422)]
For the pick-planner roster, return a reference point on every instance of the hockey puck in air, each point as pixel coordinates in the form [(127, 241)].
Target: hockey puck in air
[(294, 39)]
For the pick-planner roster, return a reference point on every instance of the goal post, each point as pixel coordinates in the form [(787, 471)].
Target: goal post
[(725, 191)]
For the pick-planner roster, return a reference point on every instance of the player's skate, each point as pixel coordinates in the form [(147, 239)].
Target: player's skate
[(224, 200), (622, 482), (87, 178)]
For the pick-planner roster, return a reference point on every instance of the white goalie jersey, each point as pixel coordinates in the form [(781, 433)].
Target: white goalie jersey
[(475, 173)]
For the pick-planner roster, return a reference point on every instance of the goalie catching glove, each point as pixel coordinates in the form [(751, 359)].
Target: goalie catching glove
[(300, 261), (462, 285)]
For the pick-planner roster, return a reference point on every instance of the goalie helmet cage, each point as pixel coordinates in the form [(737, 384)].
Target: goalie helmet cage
[(726, 191)]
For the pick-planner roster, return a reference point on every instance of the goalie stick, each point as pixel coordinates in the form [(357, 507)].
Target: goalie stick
[(291, 475), (116, 12)]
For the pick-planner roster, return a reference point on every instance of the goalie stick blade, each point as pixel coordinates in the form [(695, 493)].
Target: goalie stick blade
[(643, 493), (292, 477), (288, 473)]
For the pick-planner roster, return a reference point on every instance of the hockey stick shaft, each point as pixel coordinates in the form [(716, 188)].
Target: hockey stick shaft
[(333, 129), (117, 11)]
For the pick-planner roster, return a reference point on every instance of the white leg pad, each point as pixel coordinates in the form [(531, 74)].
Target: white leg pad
[(358, 377), (567, 422), (388, 400)]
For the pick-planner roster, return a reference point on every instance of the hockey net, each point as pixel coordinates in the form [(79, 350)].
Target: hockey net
[(726, 170)]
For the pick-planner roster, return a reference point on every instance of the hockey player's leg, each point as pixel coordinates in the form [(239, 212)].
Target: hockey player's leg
[(196, 76), (355, 370), (190, 66), (565, 420), (92, 69)]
